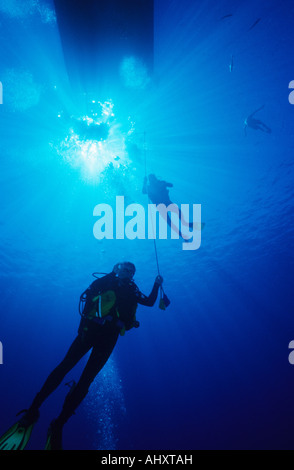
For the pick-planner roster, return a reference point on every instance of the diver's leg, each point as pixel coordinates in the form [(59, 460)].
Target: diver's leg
[(78, 349), (265, 128), (262, 127), (98, 358), (183, 221)]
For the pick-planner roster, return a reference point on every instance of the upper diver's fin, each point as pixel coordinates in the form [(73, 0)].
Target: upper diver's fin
[(254, 24), (17, 437), (226, 16), (198, 226)]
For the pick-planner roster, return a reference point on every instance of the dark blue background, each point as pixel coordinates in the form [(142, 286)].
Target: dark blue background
[(212, 371)]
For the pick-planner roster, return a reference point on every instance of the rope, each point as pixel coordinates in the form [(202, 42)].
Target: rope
[(148, 200), (164, 301)]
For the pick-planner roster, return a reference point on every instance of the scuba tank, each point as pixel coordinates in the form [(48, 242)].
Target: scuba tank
[(99, 306)]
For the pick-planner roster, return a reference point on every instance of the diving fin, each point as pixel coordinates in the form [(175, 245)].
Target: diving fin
[(18, 436), (54, 437)]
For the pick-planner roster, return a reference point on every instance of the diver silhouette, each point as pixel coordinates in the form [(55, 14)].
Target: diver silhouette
[(256, 124), (109, 309), (158, 193), (157, 190)]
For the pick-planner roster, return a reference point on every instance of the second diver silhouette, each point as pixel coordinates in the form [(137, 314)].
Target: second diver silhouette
[(256, 124), (158, 193)]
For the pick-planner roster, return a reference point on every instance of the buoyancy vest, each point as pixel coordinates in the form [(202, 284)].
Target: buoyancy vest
[(102, 304), (106, 301)]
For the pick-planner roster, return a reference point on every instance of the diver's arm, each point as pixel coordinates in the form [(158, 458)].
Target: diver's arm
[(151, 299), (259, 109), (165, 184)]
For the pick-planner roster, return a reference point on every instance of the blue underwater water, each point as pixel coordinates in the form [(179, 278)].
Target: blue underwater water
[(212, 370)]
